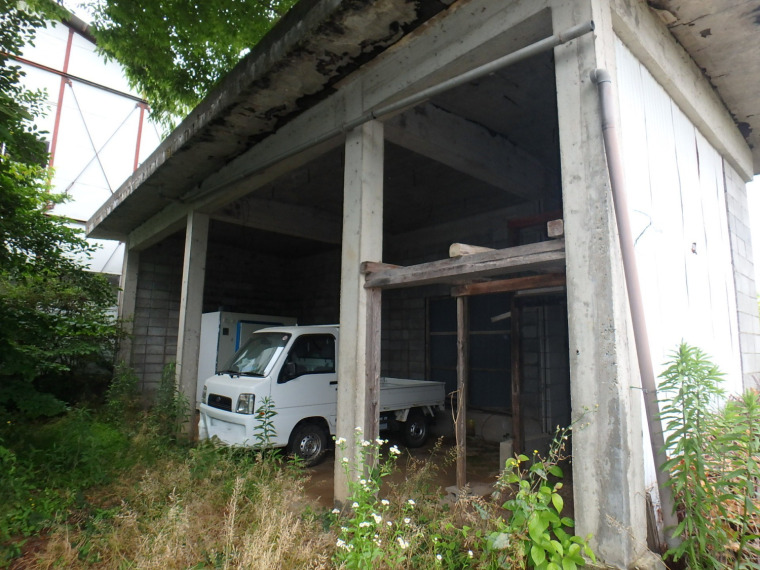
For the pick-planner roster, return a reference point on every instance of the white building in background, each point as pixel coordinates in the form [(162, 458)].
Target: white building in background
[(98, 128)]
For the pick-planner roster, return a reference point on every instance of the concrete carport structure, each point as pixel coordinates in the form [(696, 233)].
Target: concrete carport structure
[(293, 190)]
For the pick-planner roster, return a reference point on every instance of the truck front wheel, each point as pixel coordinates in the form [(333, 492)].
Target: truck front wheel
[(309, 442), (415, 428)]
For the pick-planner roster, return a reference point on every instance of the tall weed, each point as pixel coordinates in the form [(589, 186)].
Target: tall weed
[(713, 464)]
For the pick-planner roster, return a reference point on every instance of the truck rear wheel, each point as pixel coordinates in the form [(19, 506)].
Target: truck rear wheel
[(308, 442), (415, 428)]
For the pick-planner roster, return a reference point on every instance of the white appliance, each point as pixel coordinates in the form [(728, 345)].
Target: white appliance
[(222, 333)]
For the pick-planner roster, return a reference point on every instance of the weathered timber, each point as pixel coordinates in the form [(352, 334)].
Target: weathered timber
[(367, 267), (509, 285), (517, 437), (463, 357), (555, 228), (460, 249), (548, 256)]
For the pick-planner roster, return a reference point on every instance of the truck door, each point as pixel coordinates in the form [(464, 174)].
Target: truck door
[(307, 383)]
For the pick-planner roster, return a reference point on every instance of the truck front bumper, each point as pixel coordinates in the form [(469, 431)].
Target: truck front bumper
[(228, 427)]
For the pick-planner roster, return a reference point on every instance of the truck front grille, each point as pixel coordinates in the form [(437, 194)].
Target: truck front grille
[(220, 402)]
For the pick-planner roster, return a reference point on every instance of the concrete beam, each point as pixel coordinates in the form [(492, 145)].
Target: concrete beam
[(608, 458), (191, 308), (358, 349), (469, 148), (281, 218), (485, 30)]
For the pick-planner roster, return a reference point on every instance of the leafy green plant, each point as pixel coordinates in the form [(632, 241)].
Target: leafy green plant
[(690, 394), (738, 437), (369, 536), (170, 411), (122, 396), (264, 432), (536, 534)]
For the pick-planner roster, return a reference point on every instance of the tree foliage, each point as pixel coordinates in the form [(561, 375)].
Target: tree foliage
[(175, 51), (53, 313)]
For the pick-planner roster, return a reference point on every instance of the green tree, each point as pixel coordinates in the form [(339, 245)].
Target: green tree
[(175, 51), (54, 315)]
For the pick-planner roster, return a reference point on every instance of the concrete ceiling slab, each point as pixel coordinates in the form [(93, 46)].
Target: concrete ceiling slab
[(723, 38)]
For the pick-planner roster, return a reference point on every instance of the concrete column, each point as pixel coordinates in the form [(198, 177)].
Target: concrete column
[(128, 302), (191, 308), (359, 307), (608, 480)]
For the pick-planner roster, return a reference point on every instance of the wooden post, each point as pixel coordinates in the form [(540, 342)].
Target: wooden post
[(359, 345), (463, 357), (190, 310), (517, 427)]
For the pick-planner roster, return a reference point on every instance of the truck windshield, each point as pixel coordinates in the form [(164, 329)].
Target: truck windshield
[(258, 355)]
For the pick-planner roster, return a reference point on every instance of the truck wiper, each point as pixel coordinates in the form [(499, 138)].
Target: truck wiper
[(232, 373), (255, 374)]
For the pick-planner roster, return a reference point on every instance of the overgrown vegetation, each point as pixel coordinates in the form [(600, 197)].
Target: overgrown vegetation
[(174, 53), (714, 449), (56, 332), (410, 527)]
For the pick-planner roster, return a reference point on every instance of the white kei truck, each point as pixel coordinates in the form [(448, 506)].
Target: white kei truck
[(295, 368)]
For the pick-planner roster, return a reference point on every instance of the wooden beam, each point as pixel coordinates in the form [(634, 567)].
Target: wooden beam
[(460, 249), (509, 285), (468, 147), (546, 256), (463, 357), (281, 218), (374, 266)]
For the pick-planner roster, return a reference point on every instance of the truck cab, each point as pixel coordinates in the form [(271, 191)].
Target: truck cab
[(293, 369)]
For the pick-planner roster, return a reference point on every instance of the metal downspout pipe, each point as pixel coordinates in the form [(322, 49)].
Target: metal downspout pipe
[(617, 183)]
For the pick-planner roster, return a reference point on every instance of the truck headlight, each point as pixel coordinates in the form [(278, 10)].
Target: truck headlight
[(245, 404), (205, 393)]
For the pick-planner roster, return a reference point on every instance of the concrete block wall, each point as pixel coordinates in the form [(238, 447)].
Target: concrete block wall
[(546, 371), (744, 276), (316, 293), (241, 280), (156, 317)]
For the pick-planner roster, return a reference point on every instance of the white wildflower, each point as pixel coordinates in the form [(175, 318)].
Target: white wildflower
[(340, 441), (358, 429), (394, 450), (470, 554), (345, 460), (385, 502), (355, 505), (364, 524), (389, 523), (378, 518), (365, 443), (362, 482), (411, 502), (402, 543), (340, 543), (378, 541), (438, 557), (407, 520), (336, 511), (379, 441)]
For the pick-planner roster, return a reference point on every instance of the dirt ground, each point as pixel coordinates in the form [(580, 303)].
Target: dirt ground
[(482, 467)]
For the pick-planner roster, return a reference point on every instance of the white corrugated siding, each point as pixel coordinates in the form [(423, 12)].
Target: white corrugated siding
[(675, 185)]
